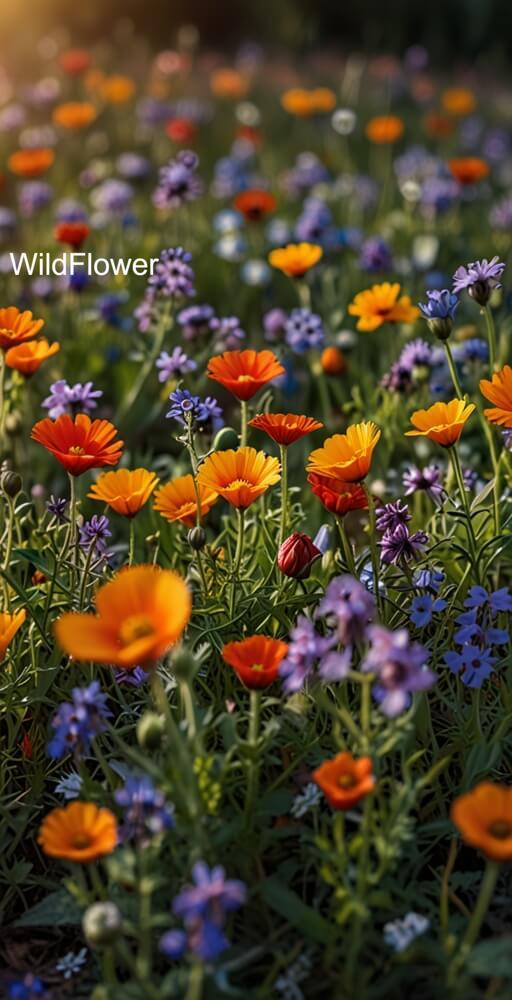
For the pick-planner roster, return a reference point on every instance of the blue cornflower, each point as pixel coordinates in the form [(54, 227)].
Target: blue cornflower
[(145, 811), (474, 664), (473, 349), (28, 988), (188, 409), (472, 630), (439, 312), (203, 906), (497, 600), (304, 331), (479, 279), (77, 722), (178, 181), (228, 333), (428, 579), (423, 607), (174, 364), (376, 255), (134, 677)]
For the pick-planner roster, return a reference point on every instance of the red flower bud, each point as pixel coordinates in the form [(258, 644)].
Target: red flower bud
[(296, 556)]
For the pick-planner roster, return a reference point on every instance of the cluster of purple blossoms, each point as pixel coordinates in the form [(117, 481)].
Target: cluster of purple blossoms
[(479, 279), (33, 196), (397, 544), (72, 399), (375, 256), (94, 533), (201, 415), (307, 650), (77, 722), (412, 367), (203, 907), (477, 635), (304, 331), (399, 666), (172, 277), (174, 365), (228, 333), (145, 811), (348, 608), (195, 321), (178, 181), (428, 480)]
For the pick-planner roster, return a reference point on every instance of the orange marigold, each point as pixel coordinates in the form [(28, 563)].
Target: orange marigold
[(256, 659), (10, 622), (74, 115), (345, 779), (384, 129), (244, 373), (79, 832), (285, 428), (16, 327), (499, 392), (125, 490), (27, 358), (30, 162), (241, 476), (442, 422), (177, 500), (295, 259), (80, 444), (382, 304), (346, 456)]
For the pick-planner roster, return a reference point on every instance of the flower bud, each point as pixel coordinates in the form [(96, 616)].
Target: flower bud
[(441, 326), (332, 361), (296, 556), (150, 730), (101, 924), (12, 483), (225, 439), (184, 664), (196, 538)]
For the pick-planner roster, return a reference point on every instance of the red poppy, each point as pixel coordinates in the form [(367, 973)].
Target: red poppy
[(285, 428), (255, 660), (73, 233), (181, 130), (80, 444), (255, 205), (338, 497)]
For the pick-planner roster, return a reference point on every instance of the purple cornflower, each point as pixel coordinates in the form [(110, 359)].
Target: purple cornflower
[(470, 479), (57, 507), (174, 364), (304, 331), (439, 312), (306, 647), (474, 664), (188, 409), (479, 278), (145, 811), (274, 325), (112, 196), (375, 255), (314, 221), (203, 906), (178, 181), (428, 579), (427, 480), (72, 399), (77, 722), (416, 354), (133, 166), (349, 607), (397, 544), (95, 533), (195, 321), (173, 277), (134, 677), (423, 607), (472, 350), (228, 333), (400, 668), (33, 196), (391, 515)]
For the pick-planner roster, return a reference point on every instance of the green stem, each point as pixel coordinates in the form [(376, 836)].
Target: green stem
[(453, 370), (284, 493), (131, 397), (373, 547), (491, 337), (465, 503), (131, 546), (85, 573), (3, 401), (482, 905), (244, 411), (253, 735), (346, 547), (238, 555)]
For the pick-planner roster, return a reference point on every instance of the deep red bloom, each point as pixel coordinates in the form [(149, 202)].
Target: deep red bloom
[(73, 233), (338, 497), (255, 205), (181, 130), (256, 659), (296, 556)]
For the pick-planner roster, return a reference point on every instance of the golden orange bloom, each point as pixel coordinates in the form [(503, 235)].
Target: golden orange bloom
[(227, 82), (256, 659), (285, 428), (75, 61), (323, 99), (255, 204), (177, 500), (384, 129), (338, 497), (381, 304), (30, 162), (125, 490), (468, 169), (499, 392), (345, 779), (117, 89), (295, 259), (332, 361), (346, 456), (16, 327), (483, 817), (298, 101), (10, 622), (458, 101), (27, 358), (141, 613), (79, 832), (244, 373), (80, 444), (241, 476), (73, 233), (74, 115), (442, 422)]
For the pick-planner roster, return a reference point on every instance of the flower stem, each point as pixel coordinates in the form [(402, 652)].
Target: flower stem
[(131, 547), (253, 777), (243, 422), (453, 370), (373, 546), (284, 493), (491, 337), (482, 905), (346, 547), (465, 503)]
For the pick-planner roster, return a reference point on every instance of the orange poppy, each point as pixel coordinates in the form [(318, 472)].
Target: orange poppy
[(298, 101), (255, 205), (244, 373), (227, 82), (332, 361), (384, 129), (117, 89), (345, 779), (27, 358), (125, 490), (16, 327), (30, 162), (338, 497), (75, 61), (285, 428), (80, 444), (499, 392), (458, 101), (141, 613), (346, 456), (73, 233), (442, 422), (438, 125), (74, 115), (381, 304), (79, 832), (483, 817), (10, 622), (295, 259), (468, 169), (181, 130), (256, 659), (177, 500), (241, 476)]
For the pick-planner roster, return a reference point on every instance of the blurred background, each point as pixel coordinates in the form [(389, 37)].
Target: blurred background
[(452, 30)]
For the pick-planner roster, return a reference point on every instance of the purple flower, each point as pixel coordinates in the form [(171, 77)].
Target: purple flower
[(211, 895), (95, 533), (349, 607), (172, 277), (391, 515), (305, 648), (228, 333), (57, 507), (146, 312), (304, 331), (77, 722), (195, 321), (479, 278), (274, 325), (188, 409), (134, 677), (399, 665), (428, 480), (28, 988), (175, 364), (375, 255), (145, 811), (416, 354), (178, 182), (428, 579), (439, 312), (34, 196), (72, 399), (474, 664), (397, 544), (112, 196), (423, 607)]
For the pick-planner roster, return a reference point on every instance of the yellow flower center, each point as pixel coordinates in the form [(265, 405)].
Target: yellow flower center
[(346, 781), (501, 829), (135, 627), (245, 378), (81, 840), (235, 484), (258, 667), (76, 449)]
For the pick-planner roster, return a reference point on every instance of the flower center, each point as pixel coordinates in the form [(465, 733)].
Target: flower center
[(81, 841), (258, 667), (500, 829), (135, 627), (245, 378), (235, 484), (346, 781), (76, 449)]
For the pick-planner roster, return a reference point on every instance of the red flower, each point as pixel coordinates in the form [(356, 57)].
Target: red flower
[(285, 428), (80, 444), (296, 556), (73, 233), (181, 130), (255, 660), (338, 497), (255, 205)]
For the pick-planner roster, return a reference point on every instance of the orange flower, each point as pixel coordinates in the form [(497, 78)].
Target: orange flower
[(80, 444), (458, 101), (74, 115), (73, 233), (75, 61), (499, 392), (384, 129), (442, 422), (381, 304), (438, 125), (181, 130), (177, 500), (323, 99), (241, 476), (30, 162), (468, 169), (117, 89), (345, 780), (295, 259), (285, 428), (346, 456), (256, 659), (79, 832), (298, 102), (338, 497), (483, 817), (227, 82), (125, 490), (16, 327), (27, 358), (244, 373), (255, 205), (9, 625), (141, 613), (332, 361)]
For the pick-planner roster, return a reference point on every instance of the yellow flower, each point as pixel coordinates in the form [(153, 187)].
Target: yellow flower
[(382, 304), (442, 422), (346, 457), (125, 490), (295, 259)]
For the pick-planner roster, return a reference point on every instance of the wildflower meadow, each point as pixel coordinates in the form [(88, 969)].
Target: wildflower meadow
[(255, 525)]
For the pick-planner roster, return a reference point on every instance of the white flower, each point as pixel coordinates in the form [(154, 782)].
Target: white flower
[(307, 799), (343, 121), (69, 786), (399, 934), (71, 964)]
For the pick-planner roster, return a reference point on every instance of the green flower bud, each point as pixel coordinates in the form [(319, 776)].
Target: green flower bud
[(197, 538), (150, 731), (101, 924), (184, 664), (12, 483), (226, 438)]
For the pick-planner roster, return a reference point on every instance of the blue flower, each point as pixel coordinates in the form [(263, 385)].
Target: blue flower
[(188, 409), (474, 664), (203, 907), (145, 811), (304, 331), (424, 607), (440, 305), (77, 722)]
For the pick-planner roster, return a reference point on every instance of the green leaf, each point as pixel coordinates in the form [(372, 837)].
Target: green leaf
[(492, 958), (55, 910), (299, 915)]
